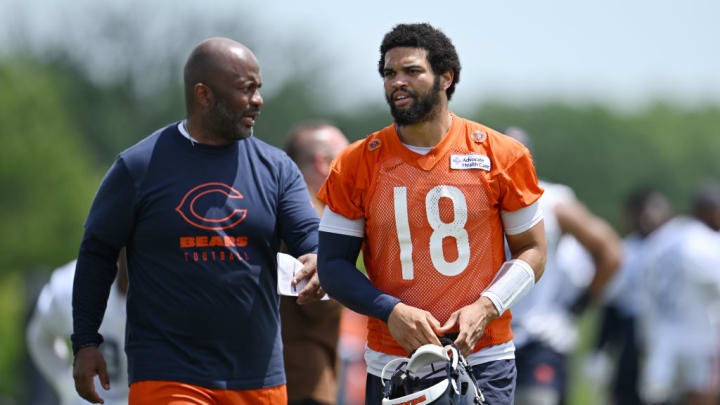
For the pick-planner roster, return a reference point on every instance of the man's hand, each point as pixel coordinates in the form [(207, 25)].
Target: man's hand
[(413, 327), (471, 320), (89, 362), (312, 291)]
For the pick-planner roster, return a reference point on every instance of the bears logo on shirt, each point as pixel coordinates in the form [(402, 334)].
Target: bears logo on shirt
[(479, 136), (374, 144), (212, 206)]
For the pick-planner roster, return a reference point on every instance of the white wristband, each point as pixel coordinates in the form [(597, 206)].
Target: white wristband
[(514, 279)]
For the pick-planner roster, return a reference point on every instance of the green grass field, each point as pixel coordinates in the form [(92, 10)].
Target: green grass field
[(583, 392), (11, 334)]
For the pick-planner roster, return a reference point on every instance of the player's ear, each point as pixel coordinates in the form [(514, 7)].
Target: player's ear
[(204, 96), (446, 79)]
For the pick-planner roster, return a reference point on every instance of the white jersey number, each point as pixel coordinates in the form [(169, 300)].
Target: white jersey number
[(441, 230)]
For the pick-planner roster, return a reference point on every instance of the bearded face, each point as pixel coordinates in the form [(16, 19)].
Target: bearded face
[(230, 123), (422, 108)]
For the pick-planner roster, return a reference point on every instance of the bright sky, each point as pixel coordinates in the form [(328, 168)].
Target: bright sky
[(614, 51), (618, 52)]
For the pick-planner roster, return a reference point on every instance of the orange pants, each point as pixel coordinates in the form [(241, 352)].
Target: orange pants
[(175, 393)]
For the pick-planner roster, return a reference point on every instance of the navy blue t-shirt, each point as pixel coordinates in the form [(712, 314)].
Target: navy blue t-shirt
[(202, 225)]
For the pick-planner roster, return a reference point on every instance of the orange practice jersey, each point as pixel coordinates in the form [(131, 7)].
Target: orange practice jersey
[(433, 232)]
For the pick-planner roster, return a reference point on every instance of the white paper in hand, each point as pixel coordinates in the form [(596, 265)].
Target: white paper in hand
[(287, 267)]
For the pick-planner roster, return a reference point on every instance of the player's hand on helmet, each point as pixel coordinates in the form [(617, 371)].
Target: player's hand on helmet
[(412, 327), (312, 291), (89, 362), (471, 321)]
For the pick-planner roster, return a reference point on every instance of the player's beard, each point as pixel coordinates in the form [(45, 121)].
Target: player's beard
[(226, 123), (422, 108)]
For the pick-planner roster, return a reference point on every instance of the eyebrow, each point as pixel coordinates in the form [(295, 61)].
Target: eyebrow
[(244, 81), (405, 67)]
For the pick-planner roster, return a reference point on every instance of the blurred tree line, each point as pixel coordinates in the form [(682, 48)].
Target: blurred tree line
[(61, 128)]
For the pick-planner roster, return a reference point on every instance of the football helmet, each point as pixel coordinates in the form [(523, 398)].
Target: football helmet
[(430, 375)]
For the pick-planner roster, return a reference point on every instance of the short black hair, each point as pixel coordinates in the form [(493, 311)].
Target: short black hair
[(441, 52)]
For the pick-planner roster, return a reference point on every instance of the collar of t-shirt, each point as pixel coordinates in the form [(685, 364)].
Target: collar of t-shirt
[(182, 127), (422, 150)]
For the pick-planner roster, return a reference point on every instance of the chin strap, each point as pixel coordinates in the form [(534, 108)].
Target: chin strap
[(399, 361)]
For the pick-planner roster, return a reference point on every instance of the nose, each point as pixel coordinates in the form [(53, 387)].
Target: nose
[(256, 99), (400, 80)]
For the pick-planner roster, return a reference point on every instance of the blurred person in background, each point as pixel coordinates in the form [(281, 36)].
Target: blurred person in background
[(50, 327), (617, 353), (203, 207), (310, 331), (351, 350), (544, 322), (681, 310)]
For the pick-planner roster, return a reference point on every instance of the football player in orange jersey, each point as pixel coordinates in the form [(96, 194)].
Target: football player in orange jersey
[(430, 199)]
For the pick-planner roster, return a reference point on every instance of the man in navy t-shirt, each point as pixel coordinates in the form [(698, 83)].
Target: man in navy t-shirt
[(202, 207)]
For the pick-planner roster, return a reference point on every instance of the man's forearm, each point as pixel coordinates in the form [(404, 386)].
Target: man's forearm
[(517, 276)]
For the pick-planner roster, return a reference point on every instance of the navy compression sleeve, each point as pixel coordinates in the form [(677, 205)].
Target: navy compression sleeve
[(343, 281)]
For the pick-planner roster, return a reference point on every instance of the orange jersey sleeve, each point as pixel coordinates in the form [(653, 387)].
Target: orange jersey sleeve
[(517, 181), (347, 183)]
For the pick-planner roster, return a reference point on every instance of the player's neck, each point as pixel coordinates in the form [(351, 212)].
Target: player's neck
[(427, 133), (200, 133)]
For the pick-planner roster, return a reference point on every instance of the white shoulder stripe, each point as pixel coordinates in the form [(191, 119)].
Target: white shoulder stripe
[(336, 223), (519, 221)]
